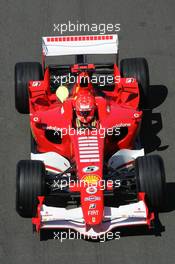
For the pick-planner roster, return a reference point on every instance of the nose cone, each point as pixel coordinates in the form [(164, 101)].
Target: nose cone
[(92, 205), (89, 151)]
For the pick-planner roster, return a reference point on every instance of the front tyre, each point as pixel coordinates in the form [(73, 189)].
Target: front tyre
[(30, 183), (150, 178)]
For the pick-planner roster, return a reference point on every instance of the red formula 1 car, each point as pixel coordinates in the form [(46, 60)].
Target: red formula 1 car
[(87, 171)]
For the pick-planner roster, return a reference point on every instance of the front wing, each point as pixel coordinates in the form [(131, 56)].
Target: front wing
[(60, 218)]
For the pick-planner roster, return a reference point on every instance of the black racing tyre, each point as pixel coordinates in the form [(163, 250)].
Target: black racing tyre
[(138, 68), (30, 183), (25, 72), (150, 178)]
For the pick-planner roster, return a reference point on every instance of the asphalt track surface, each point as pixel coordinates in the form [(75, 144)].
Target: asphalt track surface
[(147, 29)]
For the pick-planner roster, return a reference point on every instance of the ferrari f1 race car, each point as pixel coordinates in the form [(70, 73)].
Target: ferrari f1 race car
[(88, 171)]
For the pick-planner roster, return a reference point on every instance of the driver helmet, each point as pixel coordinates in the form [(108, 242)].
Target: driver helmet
[(85, 108)]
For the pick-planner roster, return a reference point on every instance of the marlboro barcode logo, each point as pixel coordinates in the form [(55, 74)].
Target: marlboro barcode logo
[(88, 149)]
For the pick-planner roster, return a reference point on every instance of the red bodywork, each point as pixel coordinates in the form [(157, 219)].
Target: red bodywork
[(117, 108)]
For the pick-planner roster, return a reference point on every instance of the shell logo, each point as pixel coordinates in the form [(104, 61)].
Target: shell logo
[(91, 178)]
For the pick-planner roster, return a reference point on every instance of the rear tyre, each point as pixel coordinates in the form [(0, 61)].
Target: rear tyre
[(137, 68), (30, 183), (150, 178), (25, 72)]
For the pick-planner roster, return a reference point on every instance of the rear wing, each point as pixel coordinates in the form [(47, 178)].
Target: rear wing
[(80, 45)]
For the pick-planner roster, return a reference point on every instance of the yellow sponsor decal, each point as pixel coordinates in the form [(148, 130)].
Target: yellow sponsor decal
[(91, 178)]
